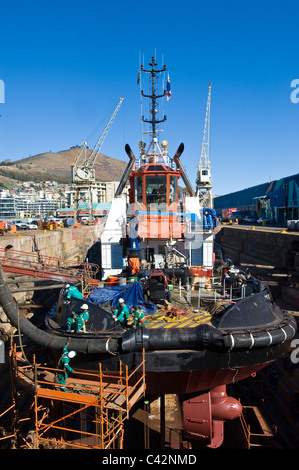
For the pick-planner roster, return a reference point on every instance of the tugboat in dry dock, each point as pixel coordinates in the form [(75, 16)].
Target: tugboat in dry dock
[(198, 354), (226, 339)]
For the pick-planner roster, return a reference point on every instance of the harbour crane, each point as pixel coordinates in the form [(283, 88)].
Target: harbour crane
[(204, 175), (82, 169)]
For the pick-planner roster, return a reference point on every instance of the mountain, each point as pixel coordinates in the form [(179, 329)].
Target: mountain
[(57, 166)]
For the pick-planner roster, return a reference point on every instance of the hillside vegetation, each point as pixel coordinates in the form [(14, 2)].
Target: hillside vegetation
[(56, 166)]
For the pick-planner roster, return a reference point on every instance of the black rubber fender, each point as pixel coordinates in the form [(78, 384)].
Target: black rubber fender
[(201, 337), (44, 338), (283, 332)]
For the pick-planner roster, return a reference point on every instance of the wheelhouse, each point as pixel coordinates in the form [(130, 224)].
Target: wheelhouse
[(154, 184)]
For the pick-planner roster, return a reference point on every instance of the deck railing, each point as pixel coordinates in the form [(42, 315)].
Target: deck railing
[(217, 290)]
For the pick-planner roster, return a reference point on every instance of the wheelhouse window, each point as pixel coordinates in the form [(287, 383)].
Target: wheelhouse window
[(156, 189), (138, 189), (172, 189)]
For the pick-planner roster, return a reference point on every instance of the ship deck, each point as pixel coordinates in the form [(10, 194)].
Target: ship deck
[(182, 313), (165, 319)]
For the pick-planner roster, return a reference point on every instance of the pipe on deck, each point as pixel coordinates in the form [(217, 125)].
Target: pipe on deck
[(44, 338)]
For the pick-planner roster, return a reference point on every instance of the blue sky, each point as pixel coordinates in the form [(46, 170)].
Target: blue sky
[(65, 64)]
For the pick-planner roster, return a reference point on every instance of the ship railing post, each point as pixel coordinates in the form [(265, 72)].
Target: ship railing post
[(188, 288), (35, 404), (101, 406), (162, 421), (35, 373), (146, 408), (127, 391), (120, 374), (143, 371), (36, 422), (82, 283)]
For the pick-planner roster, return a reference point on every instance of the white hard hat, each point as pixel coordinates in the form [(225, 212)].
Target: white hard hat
[(71, 354), (84, 307), (67, 286), (121, 301)]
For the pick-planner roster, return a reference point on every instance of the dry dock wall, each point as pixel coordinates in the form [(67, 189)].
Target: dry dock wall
[(67, 243), (257, 246)]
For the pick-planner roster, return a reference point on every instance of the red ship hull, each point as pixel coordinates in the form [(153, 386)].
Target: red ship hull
[(181, 383)]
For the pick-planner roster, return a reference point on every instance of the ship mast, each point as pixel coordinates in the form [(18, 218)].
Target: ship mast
[(153, 111)]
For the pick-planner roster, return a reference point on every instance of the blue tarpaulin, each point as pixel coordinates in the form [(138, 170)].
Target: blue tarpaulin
[(131, 293)]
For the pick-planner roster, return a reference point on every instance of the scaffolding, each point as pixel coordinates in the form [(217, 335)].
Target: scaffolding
[(255, 431), (89, 414)]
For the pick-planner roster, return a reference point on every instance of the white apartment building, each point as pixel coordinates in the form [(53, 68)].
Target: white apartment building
[(28, 201), (25, 205), (101, 192)]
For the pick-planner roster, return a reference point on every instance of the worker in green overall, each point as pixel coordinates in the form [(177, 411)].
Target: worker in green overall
[(78, 319), (85, 316), (121, 313), (64, 367), (139, 317), (72, 292)]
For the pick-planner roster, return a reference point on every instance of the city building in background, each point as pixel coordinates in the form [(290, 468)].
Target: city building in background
[(45, 199)]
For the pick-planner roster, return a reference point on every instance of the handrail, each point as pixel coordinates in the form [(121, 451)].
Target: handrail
[(35, 369), (221, 291), (135, 370), (39, 265), (141, 379)]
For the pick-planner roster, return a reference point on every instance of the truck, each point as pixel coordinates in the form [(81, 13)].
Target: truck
[(227, 215), (7, 227)]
